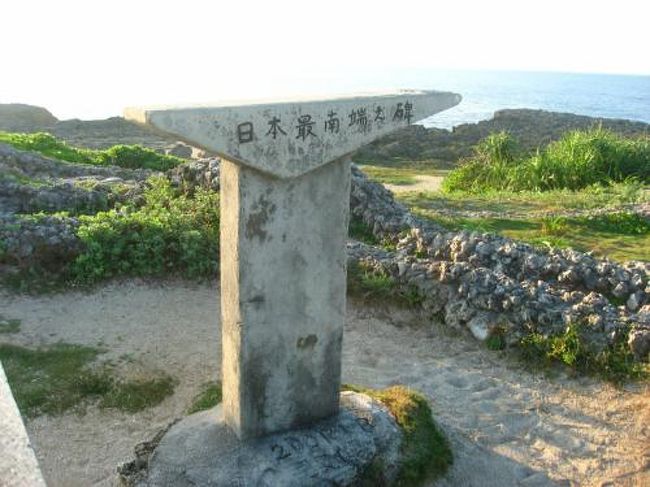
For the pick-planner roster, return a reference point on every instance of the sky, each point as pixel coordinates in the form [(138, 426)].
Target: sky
[(90, 59)]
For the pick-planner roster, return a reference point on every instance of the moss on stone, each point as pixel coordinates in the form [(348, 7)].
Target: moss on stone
[(425, 452)]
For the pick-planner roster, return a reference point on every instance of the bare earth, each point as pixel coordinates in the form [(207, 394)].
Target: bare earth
[(507, 426), (424, 183)]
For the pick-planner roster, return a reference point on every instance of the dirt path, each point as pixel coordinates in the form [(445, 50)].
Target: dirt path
[(424, 183), (507, 427)]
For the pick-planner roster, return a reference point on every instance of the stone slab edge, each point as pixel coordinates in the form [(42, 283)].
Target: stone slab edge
[(18, 465), (289, 138)]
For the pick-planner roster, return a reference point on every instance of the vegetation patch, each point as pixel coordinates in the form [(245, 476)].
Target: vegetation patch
[(170, 233), (9, 325), (208, 398), (579, 159), (615, 363), (370, 283), (404, 174), (359, 230), (136, 395), (618, 235), (425, 451), (128, 156), (60, 378)]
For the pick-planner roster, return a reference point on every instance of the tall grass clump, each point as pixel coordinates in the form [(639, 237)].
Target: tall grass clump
[(170, 234), (492, 163), (128, 156), (579, 159)]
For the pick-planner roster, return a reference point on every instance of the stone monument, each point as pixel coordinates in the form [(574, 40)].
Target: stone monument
[(285, 183)]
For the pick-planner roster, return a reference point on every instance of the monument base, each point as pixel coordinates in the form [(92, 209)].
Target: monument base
[(202, 450)]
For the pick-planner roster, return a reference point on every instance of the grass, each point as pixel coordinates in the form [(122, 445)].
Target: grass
[(136, 395), (618, 235), (532, 202), (358, 230), (399, 175), (128, 156), (9, 176), (615, 364), (579, 159), (208, 398), (9, 325), (370, 283), (425, 451), (585, 234), (60, 378)]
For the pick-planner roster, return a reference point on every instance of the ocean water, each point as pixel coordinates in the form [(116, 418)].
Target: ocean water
[(484, 92)]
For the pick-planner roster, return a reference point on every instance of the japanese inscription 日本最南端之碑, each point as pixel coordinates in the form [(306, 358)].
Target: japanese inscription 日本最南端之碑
[(306, 126)]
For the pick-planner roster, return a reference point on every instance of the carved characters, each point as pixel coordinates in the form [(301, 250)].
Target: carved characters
[(360, 119)]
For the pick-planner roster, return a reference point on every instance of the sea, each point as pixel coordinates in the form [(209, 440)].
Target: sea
[(484, 92)]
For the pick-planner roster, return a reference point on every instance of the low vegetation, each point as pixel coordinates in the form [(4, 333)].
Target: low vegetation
[(400, 175), (128, 156), (59, 378), (615, 364), (425, 451), (619, 235), (377, 286), (9, 325), (208, 398), (171, 233), (579, 159)]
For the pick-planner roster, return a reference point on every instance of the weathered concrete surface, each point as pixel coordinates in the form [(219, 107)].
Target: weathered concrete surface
[(202, 450), (283, 281), (18, 465), (285, 186), (289, 138)]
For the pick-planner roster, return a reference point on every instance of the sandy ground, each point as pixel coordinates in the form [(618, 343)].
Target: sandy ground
[(423, 183), (507, 426)]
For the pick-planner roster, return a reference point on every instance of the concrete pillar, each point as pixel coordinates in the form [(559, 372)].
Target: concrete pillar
[(282, 295), (285, 183)]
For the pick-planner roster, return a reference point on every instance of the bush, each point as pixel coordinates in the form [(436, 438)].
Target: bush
[(135, 156), (128, 156), (170, 233), (579, 159), (615, 363), (48, 145)]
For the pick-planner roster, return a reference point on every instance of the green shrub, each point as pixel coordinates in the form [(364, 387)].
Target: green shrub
[(48, 145), (618, 223), (128, 156), (170, 233), (135, 156), (579, 159)]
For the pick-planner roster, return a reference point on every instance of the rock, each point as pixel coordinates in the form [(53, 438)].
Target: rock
[(643, 316), (201, 450), (639, 343), (635, 300), (481, 325), (179, 149), (16, 117)]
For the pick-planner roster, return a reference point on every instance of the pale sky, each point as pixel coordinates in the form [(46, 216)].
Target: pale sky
[(91, 58)]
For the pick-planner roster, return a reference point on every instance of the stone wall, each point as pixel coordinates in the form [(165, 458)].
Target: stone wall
[(472, 281)]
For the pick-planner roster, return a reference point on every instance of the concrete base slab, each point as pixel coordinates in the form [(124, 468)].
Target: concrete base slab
[(202, 450)]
